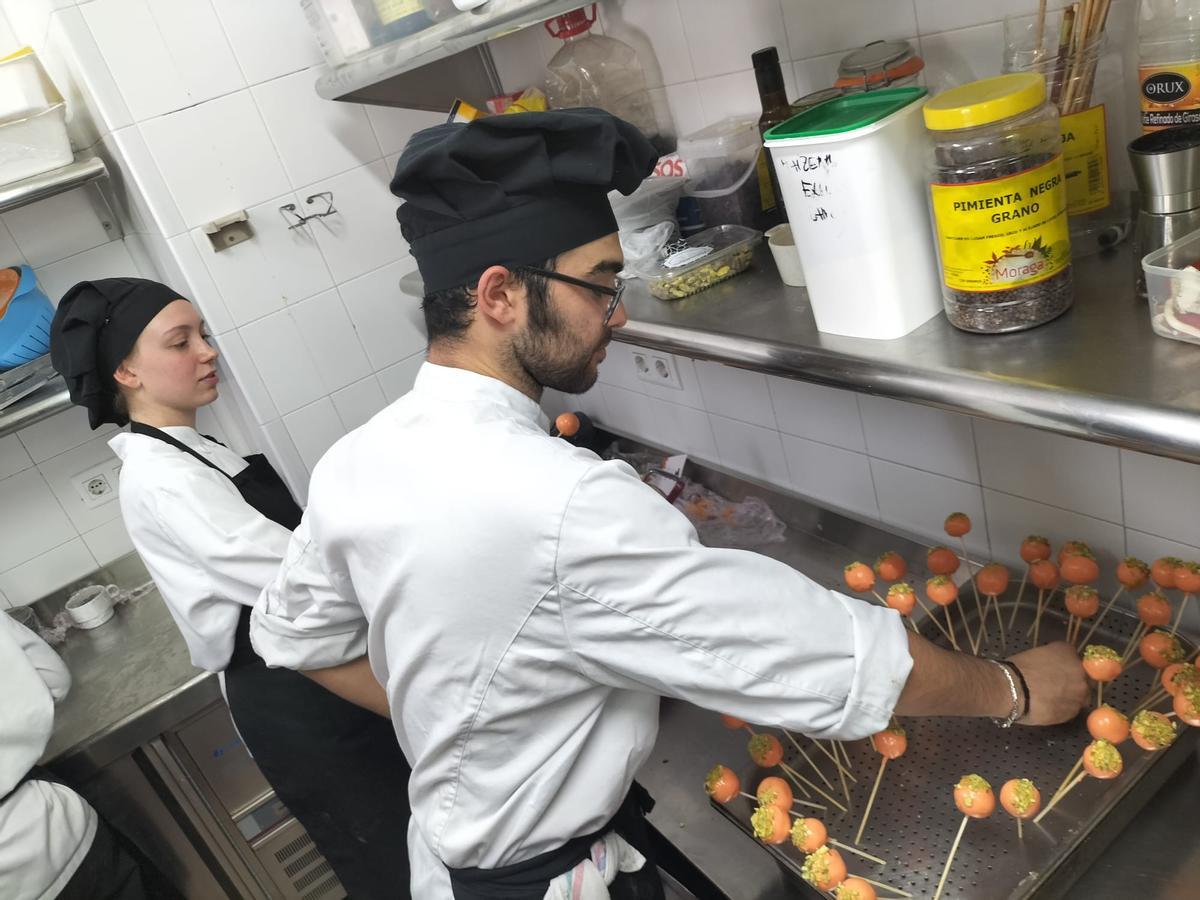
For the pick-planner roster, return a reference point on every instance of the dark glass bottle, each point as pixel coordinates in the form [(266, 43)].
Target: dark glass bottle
[(775, 109)]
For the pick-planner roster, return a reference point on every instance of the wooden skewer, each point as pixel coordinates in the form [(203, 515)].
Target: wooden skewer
[(929, 615), (1179, 616), (834, 756), (1039, 36), (808, 760), (982, 634), (871, 802), (1099, 694), (795, 802), (1133, 642), (999, 624), (1054, 800), (1020, 832), (967, 629), (1037, 620), (855, 851), (1024, 578), (1150, 699), (1075, 768), (796, 774), (1065, 31), (886, 887), (841, 746), (1100, 618), (950, 858), (950, 627)]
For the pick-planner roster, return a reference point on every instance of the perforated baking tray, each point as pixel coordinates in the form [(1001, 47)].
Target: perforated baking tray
[(914, 819)]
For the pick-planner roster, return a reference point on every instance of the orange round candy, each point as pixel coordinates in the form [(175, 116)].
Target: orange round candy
[(1154, 609), (732, 722), (891, 566), (1187, 577), (1072, 548), (809, 835), (1167, 678), (1079, 568), (1187, 706), (1102, 760), (765, 750), (957, 524), (1132, 572), (1104, 723), (722, 784), (854, 888), (891, 742), (1101, 663), (1020, 798), (901, 598), (941, 590), (771, 824), (992, 580), (974, 797), (1082, 600), (1159, 649), (824, 868), (1035, 547), (774, 791), (859, 576), (1153, 730), (1044, 575), (567, 424), (1162, 570), (942, 561)]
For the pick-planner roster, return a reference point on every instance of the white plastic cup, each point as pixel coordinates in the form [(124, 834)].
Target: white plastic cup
[(787, 256), (91, 607)]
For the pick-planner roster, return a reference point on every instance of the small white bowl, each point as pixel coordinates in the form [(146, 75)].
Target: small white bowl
[(92, 606)]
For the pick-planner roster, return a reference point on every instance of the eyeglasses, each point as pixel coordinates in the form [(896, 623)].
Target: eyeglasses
[(613, 293)]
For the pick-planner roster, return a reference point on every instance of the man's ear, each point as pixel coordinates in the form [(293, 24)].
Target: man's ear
[(496, 295)]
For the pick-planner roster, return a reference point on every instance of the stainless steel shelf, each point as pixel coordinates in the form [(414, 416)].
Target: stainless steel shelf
[(1098, 372), (38, 187), (41, 404)]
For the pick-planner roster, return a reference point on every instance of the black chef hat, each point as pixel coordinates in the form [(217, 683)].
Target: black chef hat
[(513, 190), (94, 329)]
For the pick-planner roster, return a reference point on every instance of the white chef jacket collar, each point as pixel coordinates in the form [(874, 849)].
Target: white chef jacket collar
[(455, 385)]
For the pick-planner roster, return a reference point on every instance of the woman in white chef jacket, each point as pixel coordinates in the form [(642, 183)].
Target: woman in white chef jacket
[(212, 528), (52, 843)]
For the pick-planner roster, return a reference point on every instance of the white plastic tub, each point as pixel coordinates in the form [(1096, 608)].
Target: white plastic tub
[(23, 86), (852, 172), (35, 144)]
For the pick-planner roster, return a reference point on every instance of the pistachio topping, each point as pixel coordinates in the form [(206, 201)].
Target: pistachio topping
[(1023, 795), (1105, 756), (1099, 651), (1155, 728), (816, 867), (763, 822)]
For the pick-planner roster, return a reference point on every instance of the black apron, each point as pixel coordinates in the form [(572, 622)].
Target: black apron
[(337, 767), (529, 880)]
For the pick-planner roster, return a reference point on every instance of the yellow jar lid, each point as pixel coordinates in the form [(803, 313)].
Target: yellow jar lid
[(985, 101)]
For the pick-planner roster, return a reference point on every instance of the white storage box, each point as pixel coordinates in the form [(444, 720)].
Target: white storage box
[(25, 88), (35, 144), (1173, 288), (853, 175)]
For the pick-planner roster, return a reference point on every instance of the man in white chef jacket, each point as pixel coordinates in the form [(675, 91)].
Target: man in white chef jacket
[(525, 603)]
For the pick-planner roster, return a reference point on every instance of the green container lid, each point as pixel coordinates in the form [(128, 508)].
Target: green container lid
[(848, 113)]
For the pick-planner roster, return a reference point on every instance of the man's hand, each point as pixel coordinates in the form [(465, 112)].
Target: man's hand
[(1058, 687)]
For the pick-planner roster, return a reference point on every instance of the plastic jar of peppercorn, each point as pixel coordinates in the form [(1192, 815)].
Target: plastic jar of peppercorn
[(999, 199)]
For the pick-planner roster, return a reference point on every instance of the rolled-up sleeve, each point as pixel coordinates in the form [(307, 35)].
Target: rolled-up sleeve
[(646, 605), (302, 620)]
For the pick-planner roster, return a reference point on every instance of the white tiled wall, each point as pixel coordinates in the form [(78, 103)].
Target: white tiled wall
[(907, 466)]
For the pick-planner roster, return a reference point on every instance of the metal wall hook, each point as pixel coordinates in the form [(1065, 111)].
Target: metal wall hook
[(296, 219)]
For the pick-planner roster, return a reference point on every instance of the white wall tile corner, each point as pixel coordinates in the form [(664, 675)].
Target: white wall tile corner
[(60, 433), (56, 568), (750, 449), (397, 380), (919, 436), (918, 502), (818, 413), (331, 340), (359, 402), (236, 364), (390, 324), (111, 260), (269, 37), (281, 451), (831, 476), (108, 542), (735, 393), (43, 526), (314, 429)]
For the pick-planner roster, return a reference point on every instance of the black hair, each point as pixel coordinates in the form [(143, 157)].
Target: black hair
[(448, 313)]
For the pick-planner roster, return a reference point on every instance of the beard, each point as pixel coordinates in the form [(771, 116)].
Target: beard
[(553, 357)]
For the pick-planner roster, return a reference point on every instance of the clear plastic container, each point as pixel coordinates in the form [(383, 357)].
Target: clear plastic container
[(1089, 88), (1173, 287), (347, 28), (999, 200), (722, 169), (596, 70), (705, 259), (878, 65)]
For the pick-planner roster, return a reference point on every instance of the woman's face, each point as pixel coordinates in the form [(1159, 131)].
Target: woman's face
[(172, 366)]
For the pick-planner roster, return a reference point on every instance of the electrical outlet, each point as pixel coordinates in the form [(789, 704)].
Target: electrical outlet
[(98, 485), (657, 369)]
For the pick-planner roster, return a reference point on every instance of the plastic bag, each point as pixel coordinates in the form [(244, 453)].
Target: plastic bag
[(641, 247), (723, 523)]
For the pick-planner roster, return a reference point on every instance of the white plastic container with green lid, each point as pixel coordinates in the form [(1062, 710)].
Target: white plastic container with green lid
[(852, 172)]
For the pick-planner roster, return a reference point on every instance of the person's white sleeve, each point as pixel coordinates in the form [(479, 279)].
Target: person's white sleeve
[(301, 620), (646, 606), (234, 547), (45, 661)]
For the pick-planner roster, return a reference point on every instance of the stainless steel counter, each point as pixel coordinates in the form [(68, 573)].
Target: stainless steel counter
[(140, 650), (1098, 372)]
